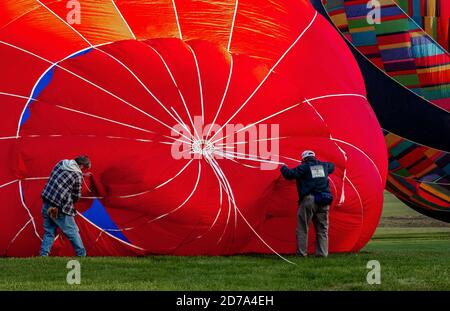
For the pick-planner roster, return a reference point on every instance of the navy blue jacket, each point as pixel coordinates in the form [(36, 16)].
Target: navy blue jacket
[(311, 176)]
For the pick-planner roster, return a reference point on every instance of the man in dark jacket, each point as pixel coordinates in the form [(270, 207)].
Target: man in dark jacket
[(62, 190), (314, 195)]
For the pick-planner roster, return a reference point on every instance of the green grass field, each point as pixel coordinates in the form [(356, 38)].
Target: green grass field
[(413, 251)]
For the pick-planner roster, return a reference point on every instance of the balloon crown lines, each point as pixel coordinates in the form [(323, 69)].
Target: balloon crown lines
[(258, 143)]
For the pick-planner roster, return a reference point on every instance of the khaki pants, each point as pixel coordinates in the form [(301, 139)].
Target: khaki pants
[(308, 210)]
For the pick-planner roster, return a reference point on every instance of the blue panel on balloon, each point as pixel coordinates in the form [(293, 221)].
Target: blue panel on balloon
[(81, 53), (41, 85), (99, 216)]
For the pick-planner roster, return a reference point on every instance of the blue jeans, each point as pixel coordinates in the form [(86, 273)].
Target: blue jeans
[(67, 225)]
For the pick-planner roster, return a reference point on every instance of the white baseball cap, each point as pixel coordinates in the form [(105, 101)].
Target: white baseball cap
[(308, 153)]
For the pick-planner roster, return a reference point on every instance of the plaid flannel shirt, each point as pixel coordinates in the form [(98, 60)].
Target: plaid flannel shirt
[(63, 189)]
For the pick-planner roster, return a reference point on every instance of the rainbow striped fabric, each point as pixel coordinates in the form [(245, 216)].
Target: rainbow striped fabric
[(402, 44), (433, 16), (396, 43), (418, 174)]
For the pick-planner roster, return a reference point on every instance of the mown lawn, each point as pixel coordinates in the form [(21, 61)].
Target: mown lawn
[(411, 258)]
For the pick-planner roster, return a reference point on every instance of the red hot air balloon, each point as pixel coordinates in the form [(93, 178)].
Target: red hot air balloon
[(186, 109)]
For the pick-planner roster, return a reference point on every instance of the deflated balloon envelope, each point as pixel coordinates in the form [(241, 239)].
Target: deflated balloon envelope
[(129, 85)]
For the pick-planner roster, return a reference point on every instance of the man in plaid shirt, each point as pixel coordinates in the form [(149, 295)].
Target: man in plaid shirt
[(62, 190)]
